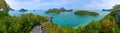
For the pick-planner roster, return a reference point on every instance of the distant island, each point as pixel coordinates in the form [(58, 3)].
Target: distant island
[(34, 10), (22, 10), (64, 10), (106, 9), (54, 11), (58, 11), (86, 13)]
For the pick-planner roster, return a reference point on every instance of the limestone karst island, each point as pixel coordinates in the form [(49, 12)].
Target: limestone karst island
[(59, 16)]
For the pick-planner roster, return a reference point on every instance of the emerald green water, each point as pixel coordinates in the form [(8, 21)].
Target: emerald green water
[(66, 18)]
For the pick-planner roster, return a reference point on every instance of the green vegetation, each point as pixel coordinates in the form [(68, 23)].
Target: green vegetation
[(21, 24), (86, 13), (24, 23), (106, 25), (54, 11), (53, 28), (116, 6), (4, 6)]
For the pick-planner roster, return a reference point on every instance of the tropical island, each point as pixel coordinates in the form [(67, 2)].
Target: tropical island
[(62, 9), (54, 11), (22, 10), (106, 9), (86, 13), (58, 11), (25, 23)]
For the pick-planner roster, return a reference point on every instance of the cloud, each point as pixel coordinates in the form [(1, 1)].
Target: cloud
[(74, 4), (100, 5)]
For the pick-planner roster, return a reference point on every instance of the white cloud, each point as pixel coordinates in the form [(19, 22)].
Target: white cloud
[(76, 4), (107, 4)]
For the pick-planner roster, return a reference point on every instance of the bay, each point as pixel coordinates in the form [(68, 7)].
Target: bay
[(66, 18)]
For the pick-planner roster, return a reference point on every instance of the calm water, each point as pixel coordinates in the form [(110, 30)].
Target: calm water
[(66, 18)]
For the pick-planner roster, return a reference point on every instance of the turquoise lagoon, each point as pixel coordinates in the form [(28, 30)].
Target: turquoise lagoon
[(66, 18)]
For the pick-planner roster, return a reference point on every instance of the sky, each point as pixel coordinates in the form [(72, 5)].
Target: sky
[(68, 4)]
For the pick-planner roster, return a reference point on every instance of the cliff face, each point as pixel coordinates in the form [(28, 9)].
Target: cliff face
[(4, 7)]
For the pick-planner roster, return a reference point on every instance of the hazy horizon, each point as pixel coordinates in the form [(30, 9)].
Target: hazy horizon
[(68, 4)]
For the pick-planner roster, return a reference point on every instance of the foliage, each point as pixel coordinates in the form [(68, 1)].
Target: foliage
[(53, 28), (4, 5), (3, 14), (93, 27), (117, 29), (106, 25), (86, 13), (22, 24), (6, 8), (54, 11), (116, 6)]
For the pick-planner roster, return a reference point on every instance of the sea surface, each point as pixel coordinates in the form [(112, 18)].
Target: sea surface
[(66, 18)]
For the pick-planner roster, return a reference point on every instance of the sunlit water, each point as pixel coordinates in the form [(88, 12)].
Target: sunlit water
[(66, 18)]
